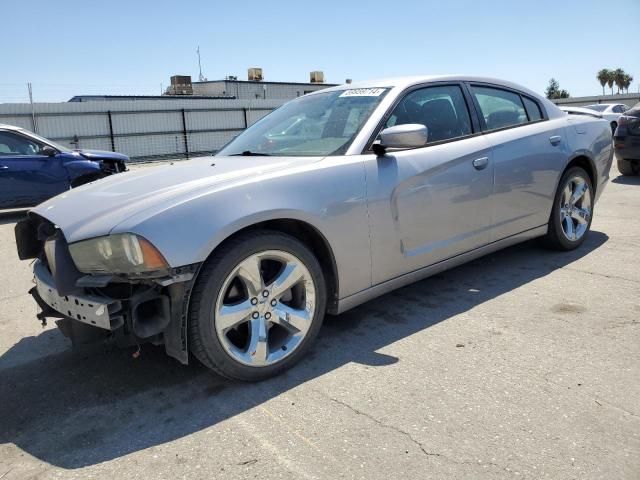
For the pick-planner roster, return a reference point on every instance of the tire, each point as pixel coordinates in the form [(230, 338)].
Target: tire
[(614, 125), (558, 234), (628, 167), (260, 347)]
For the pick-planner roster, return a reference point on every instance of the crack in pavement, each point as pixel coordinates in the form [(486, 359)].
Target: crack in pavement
[(385, 425), (414, 441), (615, 277)]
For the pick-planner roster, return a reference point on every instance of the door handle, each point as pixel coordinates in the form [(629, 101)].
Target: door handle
[(480, 163), (555, 140)]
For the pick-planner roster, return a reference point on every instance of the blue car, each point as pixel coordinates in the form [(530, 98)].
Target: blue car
[(34, 169)]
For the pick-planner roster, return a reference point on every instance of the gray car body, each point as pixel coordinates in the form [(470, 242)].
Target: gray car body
[(387, 221)]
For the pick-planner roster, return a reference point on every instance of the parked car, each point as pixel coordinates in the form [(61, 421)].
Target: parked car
[(34, 169), (236, 258), (626, 142), (609, 111)]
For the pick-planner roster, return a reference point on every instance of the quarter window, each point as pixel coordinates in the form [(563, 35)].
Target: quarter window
[(500, 108), (533, 109), (442, 109)]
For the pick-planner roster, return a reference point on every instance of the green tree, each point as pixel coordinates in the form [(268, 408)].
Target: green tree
[(618, 78), (603, 78), (554, 91)]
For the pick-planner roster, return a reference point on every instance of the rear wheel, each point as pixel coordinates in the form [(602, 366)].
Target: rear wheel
[(572, 211), (257, 305), (628, 167)]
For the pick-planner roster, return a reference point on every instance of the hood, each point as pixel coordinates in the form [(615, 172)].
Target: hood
[(97, 208), (102, 155)]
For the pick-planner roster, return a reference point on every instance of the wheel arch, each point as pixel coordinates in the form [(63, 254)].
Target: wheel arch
[(310, 236), (584, 161)]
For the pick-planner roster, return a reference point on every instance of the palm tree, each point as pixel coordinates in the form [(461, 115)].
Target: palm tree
[(610, 81), (627, 81), (618, 78), (603, 77)]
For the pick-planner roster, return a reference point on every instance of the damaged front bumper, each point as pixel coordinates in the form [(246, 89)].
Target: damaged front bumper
[(119, 310), (94, 310)]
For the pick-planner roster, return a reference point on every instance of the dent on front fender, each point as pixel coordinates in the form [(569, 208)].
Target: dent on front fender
[(78, 168)]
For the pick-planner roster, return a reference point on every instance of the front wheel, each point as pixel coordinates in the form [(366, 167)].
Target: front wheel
[(257, 305), (572, 211), (614, 125)]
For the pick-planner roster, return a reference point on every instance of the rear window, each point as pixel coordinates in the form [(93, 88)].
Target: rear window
[(500, 108)]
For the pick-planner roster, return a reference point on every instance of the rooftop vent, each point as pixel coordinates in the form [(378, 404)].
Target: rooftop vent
[(316, 77), (181, 85), (255, 74)]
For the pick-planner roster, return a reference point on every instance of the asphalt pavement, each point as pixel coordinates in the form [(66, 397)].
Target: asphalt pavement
[(522, 364)]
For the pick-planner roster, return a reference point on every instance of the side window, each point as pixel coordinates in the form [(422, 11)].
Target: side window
[(618, 109), (17, 145), (442, 109), (500, 108), (533, 109)]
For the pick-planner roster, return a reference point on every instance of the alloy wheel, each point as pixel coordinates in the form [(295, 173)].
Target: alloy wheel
[(265, 308), (575, 208)]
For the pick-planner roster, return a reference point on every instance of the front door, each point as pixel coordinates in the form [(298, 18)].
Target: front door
[(26, 176), (431, 203)]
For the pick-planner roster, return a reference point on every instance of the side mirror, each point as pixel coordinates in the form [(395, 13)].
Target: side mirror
[(410, 135), (48, 151)]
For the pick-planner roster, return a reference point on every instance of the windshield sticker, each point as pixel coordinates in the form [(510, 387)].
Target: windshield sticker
[(363, 92)]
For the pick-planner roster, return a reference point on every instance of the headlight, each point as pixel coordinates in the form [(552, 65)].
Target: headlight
[(124, 253)]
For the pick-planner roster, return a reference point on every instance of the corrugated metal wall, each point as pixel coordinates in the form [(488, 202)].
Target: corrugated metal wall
[(144, 130), (256, 90)]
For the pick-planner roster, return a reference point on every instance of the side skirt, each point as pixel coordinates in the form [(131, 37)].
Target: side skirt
[(356, 299)]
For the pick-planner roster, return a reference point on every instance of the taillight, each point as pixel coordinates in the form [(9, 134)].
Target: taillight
[(626, 120)]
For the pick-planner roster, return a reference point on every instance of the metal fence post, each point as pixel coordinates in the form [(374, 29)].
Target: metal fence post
[(113, 142), (184, 132)]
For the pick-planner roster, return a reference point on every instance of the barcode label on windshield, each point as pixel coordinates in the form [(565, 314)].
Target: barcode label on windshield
[(363, 92)]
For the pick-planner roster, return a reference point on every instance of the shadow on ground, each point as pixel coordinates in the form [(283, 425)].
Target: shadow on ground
[(626, 180), (71, 411)]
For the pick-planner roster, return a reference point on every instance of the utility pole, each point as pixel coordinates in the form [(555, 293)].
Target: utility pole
[(34, 124)]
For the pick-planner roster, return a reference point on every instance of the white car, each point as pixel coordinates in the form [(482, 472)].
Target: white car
[(609, 111)]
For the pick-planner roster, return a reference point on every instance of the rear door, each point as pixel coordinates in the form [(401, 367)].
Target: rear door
[(26, 176), (428, 204), (528, 153)]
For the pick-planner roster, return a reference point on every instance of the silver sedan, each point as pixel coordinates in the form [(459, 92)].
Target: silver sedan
[(333, 199)]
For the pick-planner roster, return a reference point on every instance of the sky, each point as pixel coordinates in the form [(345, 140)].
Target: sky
[(74, 47)]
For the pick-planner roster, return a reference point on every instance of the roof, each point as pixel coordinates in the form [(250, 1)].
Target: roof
[(403, 82), (10, 127)]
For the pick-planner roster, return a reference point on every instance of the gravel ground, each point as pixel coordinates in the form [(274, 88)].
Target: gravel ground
[(523, 364)]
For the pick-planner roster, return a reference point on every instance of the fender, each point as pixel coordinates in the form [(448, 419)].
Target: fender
[(78, 168)]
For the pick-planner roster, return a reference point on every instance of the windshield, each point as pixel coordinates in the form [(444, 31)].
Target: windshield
[(314, 125), (597, 108), (57, 146)]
